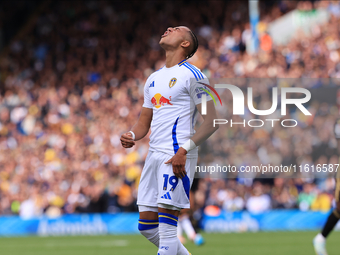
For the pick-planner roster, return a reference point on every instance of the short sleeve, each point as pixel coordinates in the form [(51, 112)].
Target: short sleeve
[(199, 87), (147, 101)]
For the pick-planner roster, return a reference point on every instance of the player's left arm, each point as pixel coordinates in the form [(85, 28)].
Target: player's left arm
[(207, 128), (203, 133)]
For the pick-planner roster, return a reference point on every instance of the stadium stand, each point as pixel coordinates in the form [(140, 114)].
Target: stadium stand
[(73, 83)]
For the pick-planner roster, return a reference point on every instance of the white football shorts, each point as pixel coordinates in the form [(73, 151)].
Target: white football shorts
[(159, 185)]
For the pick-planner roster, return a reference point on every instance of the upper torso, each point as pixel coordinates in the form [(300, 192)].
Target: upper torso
[(172, 93)]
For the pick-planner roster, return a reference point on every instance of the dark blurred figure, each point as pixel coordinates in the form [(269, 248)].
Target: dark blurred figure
[(98, 200)]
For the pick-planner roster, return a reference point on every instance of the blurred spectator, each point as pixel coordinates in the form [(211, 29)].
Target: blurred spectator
[(98, 200), (322, 202), (306, 197), (73, 80), (233, 202), (258, 202)]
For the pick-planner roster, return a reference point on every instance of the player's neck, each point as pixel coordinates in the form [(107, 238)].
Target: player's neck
[(172, 58)]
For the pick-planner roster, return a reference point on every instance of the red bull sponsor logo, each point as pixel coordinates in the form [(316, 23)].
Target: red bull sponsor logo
[(158, 100)]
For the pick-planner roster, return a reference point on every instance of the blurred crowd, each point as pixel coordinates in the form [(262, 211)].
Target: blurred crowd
[(73, 83)]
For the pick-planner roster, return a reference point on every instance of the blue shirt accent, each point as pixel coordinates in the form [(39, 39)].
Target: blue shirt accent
[(199, 72), (182, 61), (191, 71)]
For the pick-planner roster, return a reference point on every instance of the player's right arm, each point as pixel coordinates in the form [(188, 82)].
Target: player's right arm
[(140, 129), (143, 124)]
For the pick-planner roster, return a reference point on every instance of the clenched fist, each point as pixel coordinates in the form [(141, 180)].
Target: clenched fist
[(126, 140)]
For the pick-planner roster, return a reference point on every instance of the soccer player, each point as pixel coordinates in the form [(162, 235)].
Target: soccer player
[(172, 96), (319, 241)]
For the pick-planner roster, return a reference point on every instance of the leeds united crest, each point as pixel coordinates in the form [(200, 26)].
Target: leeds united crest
[(172, 82)]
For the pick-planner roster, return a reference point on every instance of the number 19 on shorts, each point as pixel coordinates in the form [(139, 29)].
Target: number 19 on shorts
[(173, 181)]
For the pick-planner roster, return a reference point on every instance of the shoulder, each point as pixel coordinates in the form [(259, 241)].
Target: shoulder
[(191, 71), (152, 76), (155, 73)]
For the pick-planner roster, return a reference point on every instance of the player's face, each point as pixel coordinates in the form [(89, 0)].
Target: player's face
[(174, 36)]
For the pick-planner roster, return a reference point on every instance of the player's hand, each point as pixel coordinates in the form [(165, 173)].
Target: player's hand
[(178, 163), (126, 140)]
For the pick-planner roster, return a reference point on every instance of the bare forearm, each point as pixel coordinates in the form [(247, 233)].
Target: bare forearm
[(204, 132), (140, 130), (143, 124), (207, 128)]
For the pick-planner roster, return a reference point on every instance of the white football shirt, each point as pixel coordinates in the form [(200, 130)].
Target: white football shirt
[(173, 94)]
